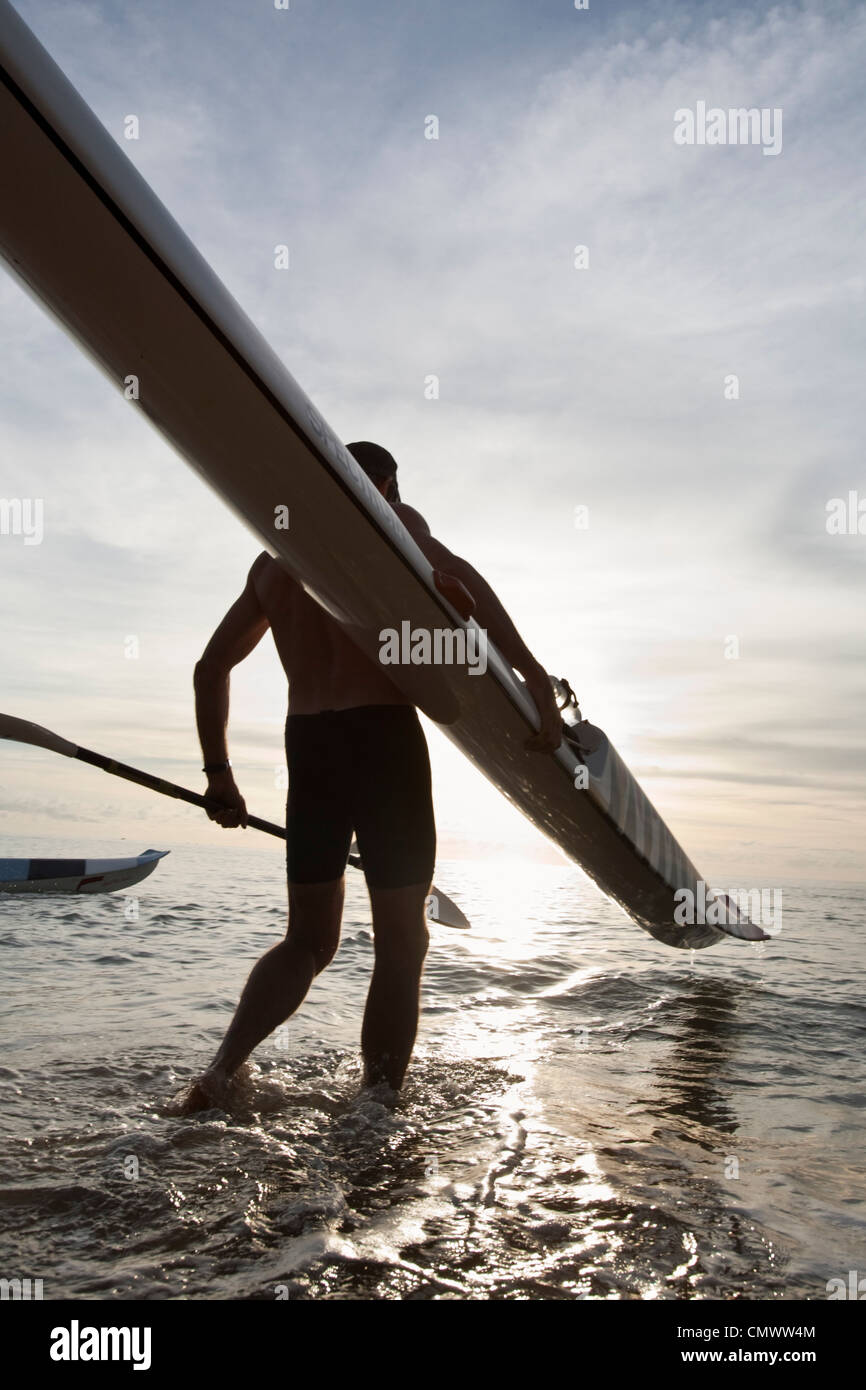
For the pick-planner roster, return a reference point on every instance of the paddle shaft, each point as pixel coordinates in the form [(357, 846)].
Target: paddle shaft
[(159, 784)]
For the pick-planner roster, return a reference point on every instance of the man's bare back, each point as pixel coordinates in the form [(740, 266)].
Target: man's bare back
[(325, 669)]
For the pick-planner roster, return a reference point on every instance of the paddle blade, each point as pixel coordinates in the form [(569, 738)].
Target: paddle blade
[(737, 924), (22, 731), (442, 909)]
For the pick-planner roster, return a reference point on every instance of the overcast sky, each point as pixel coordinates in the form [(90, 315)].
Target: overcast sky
[(560, 387)]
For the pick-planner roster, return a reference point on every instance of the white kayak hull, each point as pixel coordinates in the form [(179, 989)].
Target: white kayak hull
[(82, 231), (63, 876)]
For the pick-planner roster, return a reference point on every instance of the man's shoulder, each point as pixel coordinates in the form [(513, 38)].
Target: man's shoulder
[(437, 553), (412, 519), (266, 570)]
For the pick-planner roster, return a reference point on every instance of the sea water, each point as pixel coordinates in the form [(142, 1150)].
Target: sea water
[(588, 1113)]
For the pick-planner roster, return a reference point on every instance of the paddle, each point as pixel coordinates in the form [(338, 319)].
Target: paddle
[(440, 908)]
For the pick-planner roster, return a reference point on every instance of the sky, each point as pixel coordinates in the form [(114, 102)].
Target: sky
[(636, 444)]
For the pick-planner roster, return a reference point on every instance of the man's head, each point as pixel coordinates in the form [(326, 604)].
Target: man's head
[(380, 467)]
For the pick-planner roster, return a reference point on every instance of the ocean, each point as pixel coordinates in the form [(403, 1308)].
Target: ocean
[(588, 1114)]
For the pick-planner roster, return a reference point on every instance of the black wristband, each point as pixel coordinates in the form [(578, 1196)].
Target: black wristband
[(212, 768)]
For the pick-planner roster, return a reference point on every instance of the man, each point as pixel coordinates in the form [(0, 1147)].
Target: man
[(357, 761)]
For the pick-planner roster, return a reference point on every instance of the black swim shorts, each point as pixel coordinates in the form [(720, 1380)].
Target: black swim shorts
[(364, 770)]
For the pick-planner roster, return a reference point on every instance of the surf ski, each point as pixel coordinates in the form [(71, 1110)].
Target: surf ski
[(83, 232), (55, 876)]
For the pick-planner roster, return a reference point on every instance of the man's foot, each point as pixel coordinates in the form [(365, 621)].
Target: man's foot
[(376, 1086), (209, 1092)]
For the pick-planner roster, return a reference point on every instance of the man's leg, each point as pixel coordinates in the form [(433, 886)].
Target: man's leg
[(393, 1002), (393, 818), (278, 983)]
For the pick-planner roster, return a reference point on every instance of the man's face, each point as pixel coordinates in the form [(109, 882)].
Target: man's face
[(387, 487)]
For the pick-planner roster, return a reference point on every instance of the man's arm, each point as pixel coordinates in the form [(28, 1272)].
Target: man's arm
[(240, 631), (490, 614)]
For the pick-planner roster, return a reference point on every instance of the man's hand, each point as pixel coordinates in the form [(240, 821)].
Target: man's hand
[(456, 593), (549, 736), (222, 787)]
